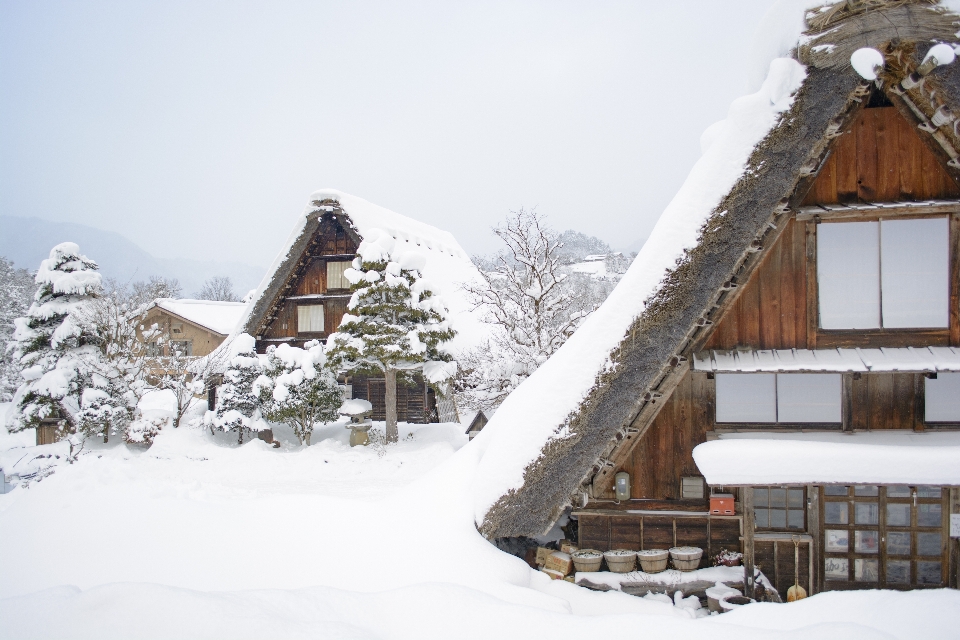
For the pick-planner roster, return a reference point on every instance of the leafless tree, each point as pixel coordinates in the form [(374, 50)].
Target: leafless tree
[(523, 293), (218, 288)]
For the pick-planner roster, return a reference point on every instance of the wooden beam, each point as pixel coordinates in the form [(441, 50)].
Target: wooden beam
[(813, 528), (874, 211)]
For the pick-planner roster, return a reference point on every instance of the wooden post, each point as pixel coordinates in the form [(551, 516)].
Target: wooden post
[(746, 503), (390, 400), (813, 528)]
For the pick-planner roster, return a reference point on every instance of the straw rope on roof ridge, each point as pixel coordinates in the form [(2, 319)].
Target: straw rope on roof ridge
[(829, 15)]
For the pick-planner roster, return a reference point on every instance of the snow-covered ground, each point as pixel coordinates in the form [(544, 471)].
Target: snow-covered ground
[(199, 538)]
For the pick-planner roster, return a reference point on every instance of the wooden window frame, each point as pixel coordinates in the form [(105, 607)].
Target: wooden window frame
[(882, 529), (786, 508), (785, 426), (882, 337), (326, 268)]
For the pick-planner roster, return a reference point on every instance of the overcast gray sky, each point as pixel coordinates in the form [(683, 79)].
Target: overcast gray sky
[(198, 129)]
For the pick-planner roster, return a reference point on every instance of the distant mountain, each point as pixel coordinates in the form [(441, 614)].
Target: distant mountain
[(635, 246), (27, 241)]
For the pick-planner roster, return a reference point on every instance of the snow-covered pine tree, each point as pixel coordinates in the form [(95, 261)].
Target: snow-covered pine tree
[(305, 390), (394, 322), (16, 292), (242, 394), (53, 343)]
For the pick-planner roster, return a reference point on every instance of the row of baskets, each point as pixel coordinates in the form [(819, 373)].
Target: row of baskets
[(625, 560)]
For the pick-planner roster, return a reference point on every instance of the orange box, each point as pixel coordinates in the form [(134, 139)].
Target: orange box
[(721, 504)]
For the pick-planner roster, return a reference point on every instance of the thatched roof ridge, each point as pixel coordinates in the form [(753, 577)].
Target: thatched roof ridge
[(749, 217)]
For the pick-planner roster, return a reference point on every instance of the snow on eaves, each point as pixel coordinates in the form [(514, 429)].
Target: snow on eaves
[(217, 316), (823, 458), (447, 267), (536, 412)]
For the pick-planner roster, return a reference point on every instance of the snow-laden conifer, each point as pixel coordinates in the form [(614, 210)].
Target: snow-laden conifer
[(54, 343), (394, 321), (304, 388), (240, 397)]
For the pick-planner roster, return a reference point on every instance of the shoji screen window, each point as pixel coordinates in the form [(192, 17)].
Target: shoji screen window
[(891, 274), (335, 279), (785, 398), (310, 318)]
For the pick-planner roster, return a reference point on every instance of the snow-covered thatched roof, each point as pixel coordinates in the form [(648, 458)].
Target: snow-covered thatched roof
[(447, 265), (561, 425)]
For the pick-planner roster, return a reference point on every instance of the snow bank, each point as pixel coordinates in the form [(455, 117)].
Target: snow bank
[(874, 458), (445, 264), (330, 541), (531, 415), (221, 317)]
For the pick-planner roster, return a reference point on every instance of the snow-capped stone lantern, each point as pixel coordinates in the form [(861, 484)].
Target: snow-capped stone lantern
[(359, 413)]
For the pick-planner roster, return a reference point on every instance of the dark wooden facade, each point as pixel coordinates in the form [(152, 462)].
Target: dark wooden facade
[(881, 158), (333, 242)]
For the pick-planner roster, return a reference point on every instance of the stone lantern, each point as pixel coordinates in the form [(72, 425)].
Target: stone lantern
[(359, 413)]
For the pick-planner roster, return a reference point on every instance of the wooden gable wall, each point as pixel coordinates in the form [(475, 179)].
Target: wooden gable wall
[(880, 159), (311, 279), (777, 307)]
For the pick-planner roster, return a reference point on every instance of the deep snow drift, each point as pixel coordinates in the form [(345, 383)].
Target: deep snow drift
[(198, 538)]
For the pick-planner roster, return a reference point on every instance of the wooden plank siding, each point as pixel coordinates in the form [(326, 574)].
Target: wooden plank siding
[(665, 453), (880, 159)]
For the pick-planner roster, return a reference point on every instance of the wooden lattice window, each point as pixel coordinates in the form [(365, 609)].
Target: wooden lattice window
[(888, 536), (780, 508)]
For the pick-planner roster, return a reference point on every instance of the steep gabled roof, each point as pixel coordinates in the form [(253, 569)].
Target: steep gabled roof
[(447, 264), (601, 389)]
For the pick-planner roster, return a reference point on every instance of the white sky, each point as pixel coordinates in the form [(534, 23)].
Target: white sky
[(199, 129)]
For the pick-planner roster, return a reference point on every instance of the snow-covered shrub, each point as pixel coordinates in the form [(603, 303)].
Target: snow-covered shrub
[(303, 389), (54, 343), (241, 396), (394, 321)]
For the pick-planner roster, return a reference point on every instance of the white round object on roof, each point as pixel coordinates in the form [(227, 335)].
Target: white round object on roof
[(355, 407), (866, 62), (944, 54)]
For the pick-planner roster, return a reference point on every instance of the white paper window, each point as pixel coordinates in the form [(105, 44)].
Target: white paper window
[(809, 397), (848, 273), (310, 318), (750, 397), (335, 279), (942, 401), (915, 276), (892, 274)]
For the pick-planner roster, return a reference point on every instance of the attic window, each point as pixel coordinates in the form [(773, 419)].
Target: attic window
[(177, 327), (892, 274), (335, 279), (786, 398), (310, 318)]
